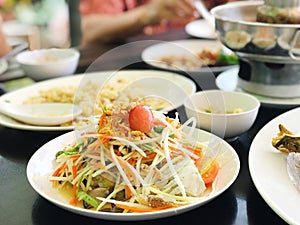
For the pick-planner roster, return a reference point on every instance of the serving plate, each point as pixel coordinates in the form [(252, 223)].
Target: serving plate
[(228, 81), (268, 168), (39, 168), (152, 55), (147, 80), (200, 29)]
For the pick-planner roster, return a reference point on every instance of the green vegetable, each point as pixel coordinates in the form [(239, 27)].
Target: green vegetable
[(81, 195), (272, 11), (226, 58), (70, 151), (172, 136), (158, 129)]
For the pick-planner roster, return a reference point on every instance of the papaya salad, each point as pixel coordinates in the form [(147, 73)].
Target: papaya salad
[(135, 160)]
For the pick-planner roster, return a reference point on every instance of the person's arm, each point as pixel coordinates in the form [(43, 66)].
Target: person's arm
[(108, 28), (4, 46)]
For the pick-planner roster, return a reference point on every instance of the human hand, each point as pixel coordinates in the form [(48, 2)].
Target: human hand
[(158, 10)]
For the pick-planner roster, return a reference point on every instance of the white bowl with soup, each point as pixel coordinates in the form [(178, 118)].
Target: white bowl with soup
[(227, 114)]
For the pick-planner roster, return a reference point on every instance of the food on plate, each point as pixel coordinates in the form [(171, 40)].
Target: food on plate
[(135, 159), (180, 62), (289, 143), (205, 57), (237, 39), (286, 141), (293, 168), (61, 94), (89, 98)]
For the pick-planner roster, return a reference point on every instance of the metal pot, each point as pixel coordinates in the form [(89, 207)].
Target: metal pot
[(237, 29), (269, 53)]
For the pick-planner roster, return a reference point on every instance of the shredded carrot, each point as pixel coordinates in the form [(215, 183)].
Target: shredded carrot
[(105, 140), (74, 171), (127, 192), (149, 157), (142, 209), (73, 201), (75, 157), (98, 143), (59, 169), (135, 209), (102, 120), (131, 161)]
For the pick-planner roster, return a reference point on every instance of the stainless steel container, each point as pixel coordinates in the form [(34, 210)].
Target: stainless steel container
[(237, 29), (271, 52)]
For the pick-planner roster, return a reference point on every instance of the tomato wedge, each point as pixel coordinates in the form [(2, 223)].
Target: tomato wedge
[(210, 175), (141, 118)]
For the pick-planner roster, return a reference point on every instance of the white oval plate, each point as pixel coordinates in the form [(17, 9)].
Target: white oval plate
[(268, 168), (18, 96), (200, 29), (227, 81), (40, 166), (152, 54)]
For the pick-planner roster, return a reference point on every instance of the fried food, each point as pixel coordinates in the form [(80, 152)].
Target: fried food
[(286, 141)]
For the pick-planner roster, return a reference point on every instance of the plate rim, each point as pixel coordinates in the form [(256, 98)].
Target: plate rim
[(4, 120), (258, 181), (131, 216)]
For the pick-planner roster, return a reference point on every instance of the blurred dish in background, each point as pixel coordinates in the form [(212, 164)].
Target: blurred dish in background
[(42, 64), (83, 89), (18, 33), (200, 29), (192, 56)]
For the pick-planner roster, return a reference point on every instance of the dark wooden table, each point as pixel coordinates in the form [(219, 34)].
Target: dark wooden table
[(21, 205)]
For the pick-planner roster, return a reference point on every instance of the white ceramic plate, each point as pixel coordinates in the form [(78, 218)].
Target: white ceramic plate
[(187, 48), (228, 79), (269, 172), (161, 85), (200, 29), (40, 166)]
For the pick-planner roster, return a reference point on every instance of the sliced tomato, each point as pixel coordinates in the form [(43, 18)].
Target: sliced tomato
[(141, 118), (209, 175)]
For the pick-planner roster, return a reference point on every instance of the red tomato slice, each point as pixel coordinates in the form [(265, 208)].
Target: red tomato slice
[(210, 175), (141, 118)]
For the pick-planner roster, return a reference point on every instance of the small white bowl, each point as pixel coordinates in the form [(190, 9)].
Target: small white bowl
[(44, 64), (231, 113)]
